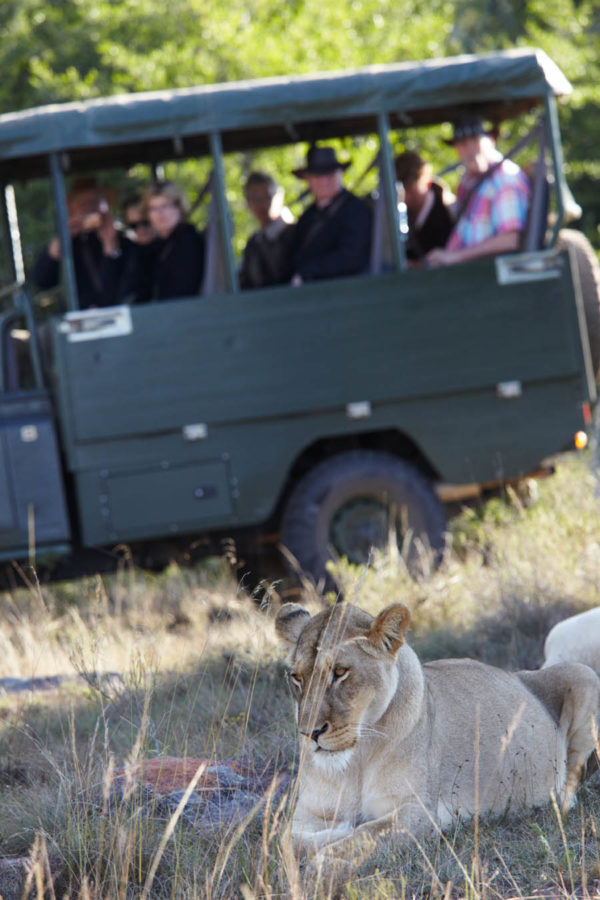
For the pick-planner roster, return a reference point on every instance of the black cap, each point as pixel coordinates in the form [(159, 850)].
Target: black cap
[(467, 126)]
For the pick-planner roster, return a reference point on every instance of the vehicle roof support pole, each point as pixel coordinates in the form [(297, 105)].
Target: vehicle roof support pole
[(225, 228), (553, 132), (10, 223), (388, 182), (62, 219)]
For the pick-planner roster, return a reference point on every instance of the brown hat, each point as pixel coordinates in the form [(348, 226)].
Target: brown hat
[(409, 166), (320, 161)]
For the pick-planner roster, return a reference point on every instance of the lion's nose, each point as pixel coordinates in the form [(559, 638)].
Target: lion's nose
[(318, 732)]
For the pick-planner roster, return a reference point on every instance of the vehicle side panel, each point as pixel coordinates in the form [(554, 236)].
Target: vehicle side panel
[(266, 373)]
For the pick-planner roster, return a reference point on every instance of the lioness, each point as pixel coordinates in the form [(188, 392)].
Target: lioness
[(387, 740)]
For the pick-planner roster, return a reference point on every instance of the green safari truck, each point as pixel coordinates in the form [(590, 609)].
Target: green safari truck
[(326, 416)]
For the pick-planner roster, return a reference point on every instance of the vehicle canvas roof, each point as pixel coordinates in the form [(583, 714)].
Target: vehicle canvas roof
[(154, 126)]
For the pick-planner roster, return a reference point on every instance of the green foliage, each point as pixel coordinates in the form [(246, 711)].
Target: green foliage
[(73, 49)]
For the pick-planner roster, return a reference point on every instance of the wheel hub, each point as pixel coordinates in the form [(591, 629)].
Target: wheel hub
[(360, 526)]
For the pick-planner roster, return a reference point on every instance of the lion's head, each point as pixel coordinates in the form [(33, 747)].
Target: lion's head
[(342, 674)]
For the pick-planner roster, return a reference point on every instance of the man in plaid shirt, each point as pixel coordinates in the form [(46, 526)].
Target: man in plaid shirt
[(493, 206)]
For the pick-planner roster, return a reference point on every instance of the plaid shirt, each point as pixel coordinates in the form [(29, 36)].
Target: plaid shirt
[(497, 206)]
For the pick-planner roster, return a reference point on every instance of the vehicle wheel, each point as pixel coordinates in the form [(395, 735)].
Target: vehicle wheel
[(589, 277), (353, 502)]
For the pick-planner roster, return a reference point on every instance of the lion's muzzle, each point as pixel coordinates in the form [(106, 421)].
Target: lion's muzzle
[(315, 734)]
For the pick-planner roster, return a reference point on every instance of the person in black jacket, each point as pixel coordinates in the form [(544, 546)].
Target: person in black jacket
[(265, 260), (106, 263), (176, 256), (428, 203), (333, 235)]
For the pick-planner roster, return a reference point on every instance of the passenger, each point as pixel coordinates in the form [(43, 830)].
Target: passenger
[(137, 227), (333, 236), (176, 263), (266, 255), (428, 204), (105, 262), (492, 198)]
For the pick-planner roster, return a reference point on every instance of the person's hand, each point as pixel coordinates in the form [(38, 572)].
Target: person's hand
[(106, 230), (439, 256), (54, 248), (296, 280)]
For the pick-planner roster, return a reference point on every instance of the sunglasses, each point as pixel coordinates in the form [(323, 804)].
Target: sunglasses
[(143, 223)]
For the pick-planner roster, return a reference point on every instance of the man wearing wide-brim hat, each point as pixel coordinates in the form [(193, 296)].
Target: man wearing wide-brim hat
[(333, 235), (492, 198)]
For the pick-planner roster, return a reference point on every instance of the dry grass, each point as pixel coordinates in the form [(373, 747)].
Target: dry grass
[(200, 675)]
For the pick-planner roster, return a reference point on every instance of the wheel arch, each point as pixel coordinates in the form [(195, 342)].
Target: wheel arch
[(391, 440), (352, 502)]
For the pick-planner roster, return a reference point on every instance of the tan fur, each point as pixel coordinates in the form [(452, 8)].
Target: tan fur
[(387, 741), (576, 639)]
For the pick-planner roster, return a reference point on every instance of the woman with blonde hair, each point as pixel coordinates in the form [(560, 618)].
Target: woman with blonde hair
[(176, 256)]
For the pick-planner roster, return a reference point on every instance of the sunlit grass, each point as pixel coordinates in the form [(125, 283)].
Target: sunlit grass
[(200, 674)]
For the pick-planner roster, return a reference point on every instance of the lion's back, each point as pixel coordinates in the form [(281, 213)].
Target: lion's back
[(493, 744)]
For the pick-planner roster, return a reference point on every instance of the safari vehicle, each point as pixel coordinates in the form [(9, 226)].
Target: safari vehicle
[(327, 416)]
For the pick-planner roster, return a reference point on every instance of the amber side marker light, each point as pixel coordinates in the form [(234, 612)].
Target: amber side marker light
[(580, 440)]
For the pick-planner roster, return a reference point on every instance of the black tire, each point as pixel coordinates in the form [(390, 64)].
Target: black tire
[(589, 278), (344, 506)]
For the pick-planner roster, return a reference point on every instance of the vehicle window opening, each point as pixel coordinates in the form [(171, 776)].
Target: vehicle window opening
[(364, 182), (548, 194)]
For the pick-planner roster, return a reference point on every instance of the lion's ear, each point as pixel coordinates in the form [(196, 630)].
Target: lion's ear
[(289, 622), (388, 630)]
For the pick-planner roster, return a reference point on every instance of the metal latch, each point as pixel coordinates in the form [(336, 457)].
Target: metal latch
[(509, 390), (196, 432), (522, 267), (93, 324), (360, 409)]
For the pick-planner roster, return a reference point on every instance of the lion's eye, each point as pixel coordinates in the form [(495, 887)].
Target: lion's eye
[(295, 679), (339, 672)]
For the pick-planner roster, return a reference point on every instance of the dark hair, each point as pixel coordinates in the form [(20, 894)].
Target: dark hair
[(258, 177), (131, 200), (409, 167)]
